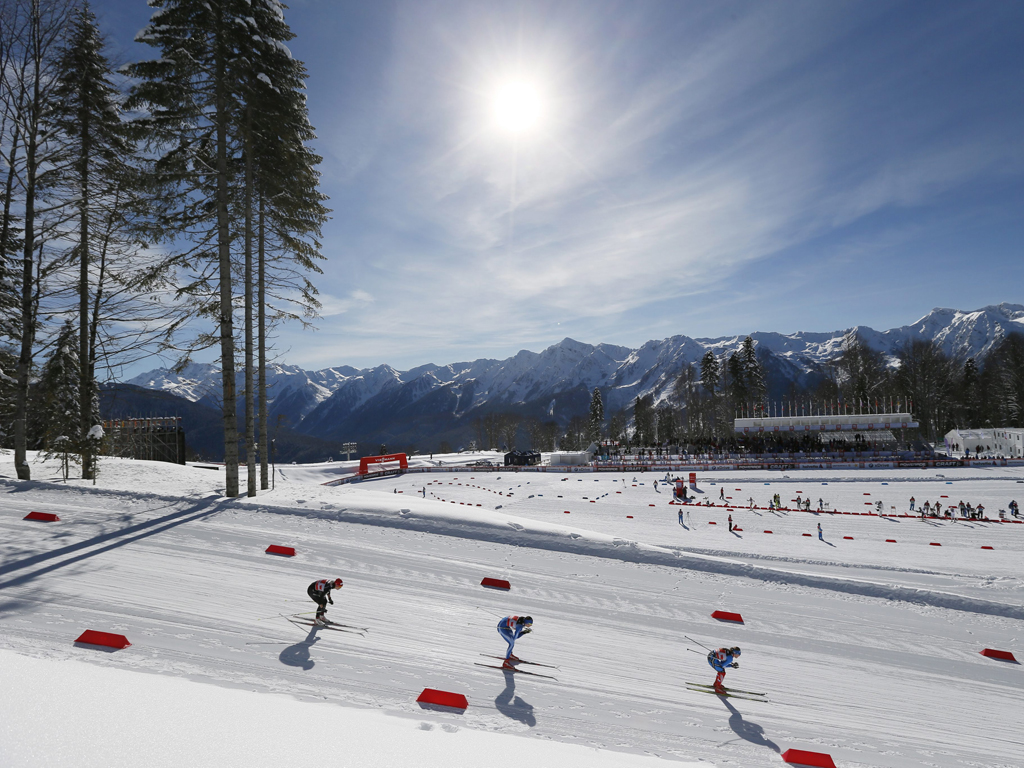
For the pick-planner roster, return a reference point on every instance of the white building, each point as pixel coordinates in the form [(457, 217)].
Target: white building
[(1002, 441)]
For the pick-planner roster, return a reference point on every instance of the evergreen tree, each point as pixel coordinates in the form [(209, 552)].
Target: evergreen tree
[(192, 99), (737, 382), (643, 420), (710, 375), (596, 423), (753, 374), (87, 112), (283, 176), (57, 395)]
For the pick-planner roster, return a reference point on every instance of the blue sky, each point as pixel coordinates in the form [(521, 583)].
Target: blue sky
[(696, 168)]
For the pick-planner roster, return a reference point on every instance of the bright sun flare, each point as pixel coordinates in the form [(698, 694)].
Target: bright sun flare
[(517, 107)]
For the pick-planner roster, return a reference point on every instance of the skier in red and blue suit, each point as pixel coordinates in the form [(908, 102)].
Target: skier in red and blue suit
[(721, 660), (511, 628)]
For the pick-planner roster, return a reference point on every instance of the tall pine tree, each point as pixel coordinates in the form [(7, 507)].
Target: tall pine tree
[(192, 99), (87, 112)]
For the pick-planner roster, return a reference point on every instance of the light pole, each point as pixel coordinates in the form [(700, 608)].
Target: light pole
[(273, 468)]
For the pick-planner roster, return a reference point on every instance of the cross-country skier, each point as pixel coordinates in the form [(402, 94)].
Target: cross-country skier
[(819, 533), (511, 628), (730, 523), (320, 593), (721, 660), (721, 494)]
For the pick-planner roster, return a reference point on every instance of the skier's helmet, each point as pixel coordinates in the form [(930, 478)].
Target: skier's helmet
[(735, 651), (526, 621), (337, 583)]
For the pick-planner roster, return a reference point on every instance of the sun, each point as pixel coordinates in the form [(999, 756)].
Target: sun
[(517, 107)]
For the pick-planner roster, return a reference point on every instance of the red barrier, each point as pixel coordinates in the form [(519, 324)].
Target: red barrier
[(987, 547), (366, 461), (767, 531), (629, 517), (43, 517), (712, 522), (650, 505), (994, 654), (890, 541), (934, 544), (848, 537), (805, 534), (567, 512), (737, 528), (274, 549), (443, 698), (106, 639), (726, 616), (803, 757), (495, 583)]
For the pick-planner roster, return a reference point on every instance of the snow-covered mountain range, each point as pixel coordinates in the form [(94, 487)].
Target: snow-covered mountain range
[(382, 404)]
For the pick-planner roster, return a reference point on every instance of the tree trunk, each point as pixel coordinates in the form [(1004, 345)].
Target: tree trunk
[(227, 340), (261, 309), (250, 422), (84, 338), (28, 320)]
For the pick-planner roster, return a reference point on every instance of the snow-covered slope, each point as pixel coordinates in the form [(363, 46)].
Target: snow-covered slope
[(867, 650)]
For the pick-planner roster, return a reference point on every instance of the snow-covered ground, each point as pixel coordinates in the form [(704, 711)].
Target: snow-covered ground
[(869, 650)]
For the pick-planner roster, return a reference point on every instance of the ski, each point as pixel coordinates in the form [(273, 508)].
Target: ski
[(517, 671), (521, 661), (304, 622), (346, 626), (729, 690), (726, 695), (335, 629)]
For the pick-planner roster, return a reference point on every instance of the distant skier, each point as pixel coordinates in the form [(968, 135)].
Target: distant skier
[(320, 593), (721, 660), (820, 505), (721, 494), (819, 533), (911, 503), (681, 517), (511, 628), (730, 523)]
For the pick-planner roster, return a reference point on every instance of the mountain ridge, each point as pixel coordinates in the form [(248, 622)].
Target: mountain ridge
[(385, 405)]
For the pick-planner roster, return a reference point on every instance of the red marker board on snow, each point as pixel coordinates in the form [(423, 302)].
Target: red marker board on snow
[(495, 583), (803, 757), (727, 616), (274, 549), (992, 653), (443, 698), (42, 517), (105, 639)]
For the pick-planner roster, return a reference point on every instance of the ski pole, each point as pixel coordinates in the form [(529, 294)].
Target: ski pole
[(694, 641), (693, 651)]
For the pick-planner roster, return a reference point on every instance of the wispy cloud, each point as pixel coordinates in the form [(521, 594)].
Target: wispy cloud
[(686, 145)]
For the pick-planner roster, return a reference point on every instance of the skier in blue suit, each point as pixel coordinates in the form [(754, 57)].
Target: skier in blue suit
[(511, 628), (721, 660)]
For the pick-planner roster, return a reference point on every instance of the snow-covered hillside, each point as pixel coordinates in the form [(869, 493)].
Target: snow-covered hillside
[(867, 649)]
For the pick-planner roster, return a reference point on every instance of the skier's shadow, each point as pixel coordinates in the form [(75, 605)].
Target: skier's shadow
[(511, 705), (298, 655), (747, 730)]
